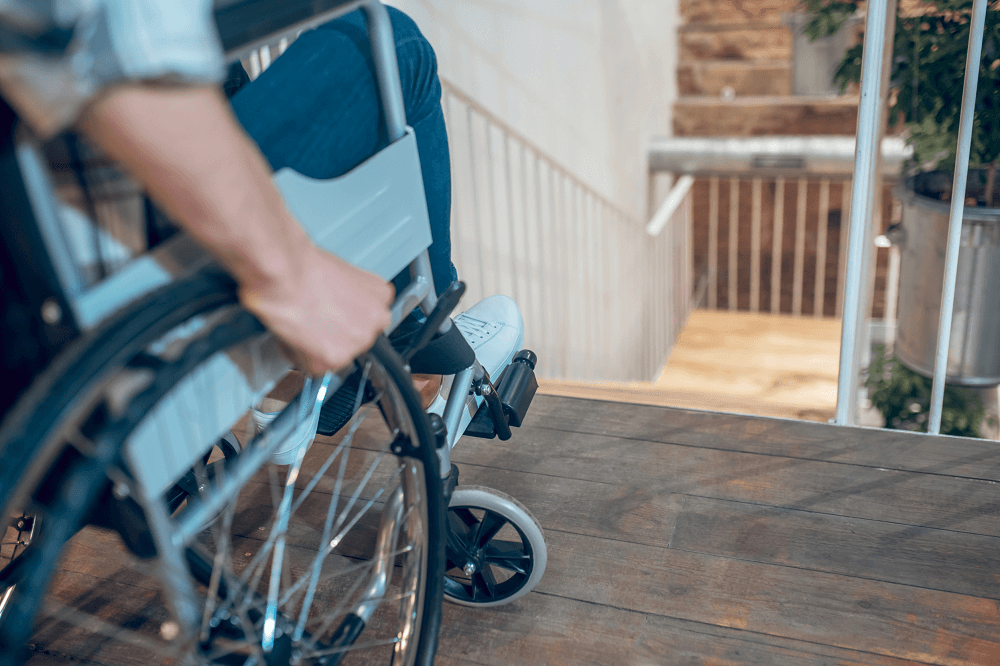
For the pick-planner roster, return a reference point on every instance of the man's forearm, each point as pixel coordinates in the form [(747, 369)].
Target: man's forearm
[(185, 146)]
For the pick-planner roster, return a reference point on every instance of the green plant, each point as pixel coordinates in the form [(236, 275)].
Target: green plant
[(928, 70), (904, 397)]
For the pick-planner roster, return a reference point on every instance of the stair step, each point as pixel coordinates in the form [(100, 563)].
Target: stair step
[(765, 115), (744, 77), (734, 11), (763, 40)]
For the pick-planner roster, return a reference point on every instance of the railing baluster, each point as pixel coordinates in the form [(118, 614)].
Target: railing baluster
[(777, 240), (577, 235), (476, 222), (845, 227), (492, 264), (734, 219), (593, 275), (564, 312), (821, 229), (512, 248), (543, 253), (457, 187), (800, 248), (529, 271), (265, 57), (254, 65), (713, 243), (755, 248)]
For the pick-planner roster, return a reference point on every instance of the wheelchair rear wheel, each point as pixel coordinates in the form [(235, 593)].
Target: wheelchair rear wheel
[(337, 558)]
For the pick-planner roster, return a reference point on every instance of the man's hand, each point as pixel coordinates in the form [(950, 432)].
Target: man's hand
[(186, 147), (328, 311)]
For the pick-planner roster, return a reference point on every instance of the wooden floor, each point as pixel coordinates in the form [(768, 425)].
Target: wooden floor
[(760, 364), (685, 537)]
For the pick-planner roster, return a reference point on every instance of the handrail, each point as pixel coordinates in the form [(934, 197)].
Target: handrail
[(670, 205), (601, 298), (771, 155), (495, 120)]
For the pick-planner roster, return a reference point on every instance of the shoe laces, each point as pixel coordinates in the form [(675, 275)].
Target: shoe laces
[(476, 331)]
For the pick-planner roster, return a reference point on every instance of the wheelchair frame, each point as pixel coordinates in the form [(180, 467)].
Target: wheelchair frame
[(385, 229)]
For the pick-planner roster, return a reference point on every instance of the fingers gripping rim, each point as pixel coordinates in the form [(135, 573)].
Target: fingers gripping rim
[(525, 525)]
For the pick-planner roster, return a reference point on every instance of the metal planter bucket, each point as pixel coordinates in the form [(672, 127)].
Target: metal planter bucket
[(974, 352)]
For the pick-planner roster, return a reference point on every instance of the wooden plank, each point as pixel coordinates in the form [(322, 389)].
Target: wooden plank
[(550, 629), (924, 557), (626, 513), (933, 559), (908, 498), (890, 449), (886, 618)]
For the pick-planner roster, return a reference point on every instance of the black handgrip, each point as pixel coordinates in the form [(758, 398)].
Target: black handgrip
[(447, 302)]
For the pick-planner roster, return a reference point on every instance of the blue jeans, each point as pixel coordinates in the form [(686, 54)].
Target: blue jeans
[(317, 110)]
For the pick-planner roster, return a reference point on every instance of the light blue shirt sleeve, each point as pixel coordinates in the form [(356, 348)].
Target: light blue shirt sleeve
[(113, 42)]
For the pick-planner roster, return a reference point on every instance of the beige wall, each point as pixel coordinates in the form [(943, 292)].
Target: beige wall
[(588, 81)]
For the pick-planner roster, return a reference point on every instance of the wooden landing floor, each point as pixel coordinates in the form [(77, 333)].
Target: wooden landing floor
[(684, 537), (760, 364)]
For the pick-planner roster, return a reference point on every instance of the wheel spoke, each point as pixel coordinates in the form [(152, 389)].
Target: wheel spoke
[(506, 550), (507, 555), (465, 515), (491, 524), (484, 581)]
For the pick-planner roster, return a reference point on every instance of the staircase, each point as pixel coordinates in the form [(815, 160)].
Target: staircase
[(734, 75)]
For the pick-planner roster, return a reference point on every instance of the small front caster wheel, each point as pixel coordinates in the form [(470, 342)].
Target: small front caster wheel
[(496, 551)]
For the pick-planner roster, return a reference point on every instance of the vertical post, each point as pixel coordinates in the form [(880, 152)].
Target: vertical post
[(713, 242), (798, 273), (957, 211), (879, 27), (776, 243), (819, 287), (755, 247), (733, 241)]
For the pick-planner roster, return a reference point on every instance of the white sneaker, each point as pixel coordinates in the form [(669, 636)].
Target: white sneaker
[(494, 329), (302, 436)]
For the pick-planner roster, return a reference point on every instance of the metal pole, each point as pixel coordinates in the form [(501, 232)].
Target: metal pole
[(957, 211), (866, 147)]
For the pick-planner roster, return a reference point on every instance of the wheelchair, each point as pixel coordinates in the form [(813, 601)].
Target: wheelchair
[(140, 432)]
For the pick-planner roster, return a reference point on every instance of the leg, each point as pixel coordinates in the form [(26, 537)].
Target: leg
[(316, 110)]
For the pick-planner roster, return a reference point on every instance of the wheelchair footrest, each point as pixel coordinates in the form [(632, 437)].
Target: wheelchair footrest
[(515, 389), (339, 408)]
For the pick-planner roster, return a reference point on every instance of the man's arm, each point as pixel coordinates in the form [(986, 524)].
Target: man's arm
[(184, 145)]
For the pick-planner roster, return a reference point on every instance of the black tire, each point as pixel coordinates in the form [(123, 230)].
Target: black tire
[(66, 485)]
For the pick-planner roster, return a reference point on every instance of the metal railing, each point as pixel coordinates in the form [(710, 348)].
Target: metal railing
[(603, 296), (771, 219), (875, 68)]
